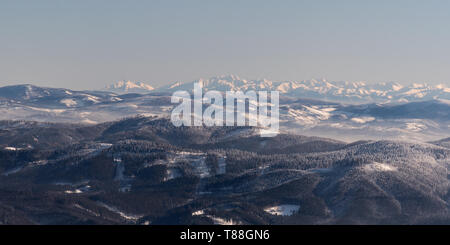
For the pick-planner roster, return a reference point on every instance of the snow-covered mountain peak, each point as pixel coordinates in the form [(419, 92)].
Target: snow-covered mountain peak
[(129, 87)]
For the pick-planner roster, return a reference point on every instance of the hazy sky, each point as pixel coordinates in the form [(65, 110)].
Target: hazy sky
[(88, 44)]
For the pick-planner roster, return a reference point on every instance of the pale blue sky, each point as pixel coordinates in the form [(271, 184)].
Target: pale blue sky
[(84, 44)]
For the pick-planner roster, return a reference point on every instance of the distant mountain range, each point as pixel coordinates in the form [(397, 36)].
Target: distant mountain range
[(333, 91), (343, 91), (419, 121)]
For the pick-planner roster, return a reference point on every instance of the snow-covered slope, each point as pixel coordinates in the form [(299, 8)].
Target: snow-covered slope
[(52, 98), (426, 120)]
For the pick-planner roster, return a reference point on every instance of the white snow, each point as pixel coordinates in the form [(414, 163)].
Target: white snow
[(9, 148), (379, 167), (345, 91), (131, 217), (222, 221), (215, 219), (76, 191), (363, 119), (129, 86), (86, 210), (198, 213), (56, 111), (309, 115), (416, 127), (88, 121), (125, 185), (172, 173), (200, 167), (80, 190), (93, 99), (68, 102), (12, 171), (283, 210), (196, 160)]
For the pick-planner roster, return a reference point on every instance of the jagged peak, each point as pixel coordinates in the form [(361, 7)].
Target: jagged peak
[(125, 86)]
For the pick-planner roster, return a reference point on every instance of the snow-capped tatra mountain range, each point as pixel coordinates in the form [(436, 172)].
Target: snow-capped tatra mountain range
[(341, 110), (342, 91)]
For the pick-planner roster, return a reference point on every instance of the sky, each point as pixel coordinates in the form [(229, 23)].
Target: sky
[(87, 44)]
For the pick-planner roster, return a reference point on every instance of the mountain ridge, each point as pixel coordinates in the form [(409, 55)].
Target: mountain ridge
[(321, 89), (339, 91), (123, 86), (425, 120)]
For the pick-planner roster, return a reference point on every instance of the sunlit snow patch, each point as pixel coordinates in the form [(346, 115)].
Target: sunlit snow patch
[(76, 191), (379, 167), (416, 127), (172, 173), (10, 148), (215, 219), (363, 119), (130, 217), (283, 210), (68, 102), (80, 190), (222, 221), (198, 212)]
